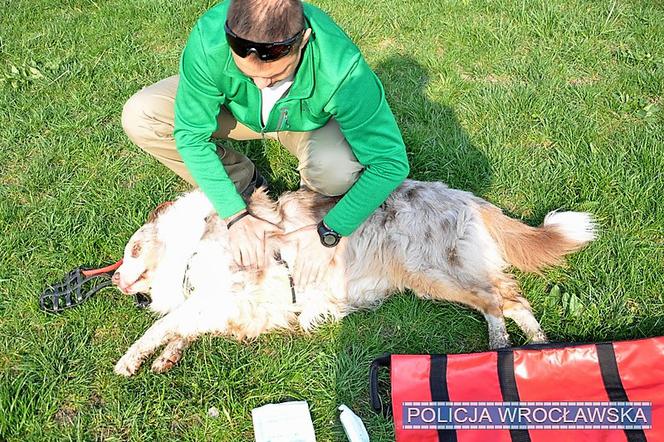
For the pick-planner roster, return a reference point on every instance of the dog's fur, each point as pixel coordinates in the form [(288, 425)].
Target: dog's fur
[(441, 243)]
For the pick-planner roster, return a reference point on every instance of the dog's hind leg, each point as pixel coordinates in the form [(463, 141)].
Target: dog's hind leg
[(171, 355), (485, 299), (518, 309), (498, 336), (520, 312)]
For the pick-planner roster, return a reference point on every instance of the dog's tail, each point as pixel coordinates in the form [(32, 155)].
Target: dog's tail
[(531, 249)]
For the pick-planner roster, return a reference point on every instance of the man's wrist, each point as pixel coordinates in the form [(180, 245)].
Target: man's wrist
[(235, 218), (328, 237)]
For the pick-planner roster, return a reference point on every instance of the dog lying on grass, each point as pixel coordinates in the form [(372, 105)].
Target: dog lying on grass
[(441, 243)]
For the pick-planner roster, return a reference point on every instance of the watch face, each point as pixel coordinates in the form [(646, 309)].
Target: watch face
[(329, 239)]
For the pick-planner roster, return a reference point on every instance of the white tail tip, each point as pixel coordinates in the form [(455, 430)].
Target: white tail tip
[(577, 226)]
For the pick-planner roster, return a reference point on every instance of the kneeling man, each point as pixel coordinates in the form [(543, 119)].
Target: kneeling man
[(281, 70)]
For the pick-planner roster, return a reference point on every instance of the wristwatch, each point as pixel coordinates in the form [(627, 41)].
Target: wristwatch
[(328, 237)]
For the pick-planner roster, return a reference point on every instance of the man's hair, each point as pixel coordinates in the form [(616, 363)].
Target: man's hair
[(265, 21)]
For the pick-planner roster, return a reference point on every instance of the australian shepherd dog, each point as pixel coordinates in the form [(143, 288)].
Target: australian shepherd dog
[(439, 243)]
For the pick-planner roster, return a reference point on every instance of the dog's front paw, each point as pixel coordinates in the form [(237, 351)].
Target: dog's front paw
[(170, 356), (162, 364), (127, 365)]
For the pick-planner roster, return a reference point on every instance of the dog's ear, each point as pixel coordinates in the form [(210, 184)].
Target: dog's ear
[(158, 211)]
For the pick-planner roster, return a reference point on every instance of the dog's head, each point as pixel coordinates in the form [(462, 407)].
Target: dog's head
[(141, 257)]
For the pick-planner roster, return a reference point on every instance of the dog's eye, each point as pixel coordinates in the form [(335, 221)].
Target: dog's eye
[(136, 250), (144, 274)]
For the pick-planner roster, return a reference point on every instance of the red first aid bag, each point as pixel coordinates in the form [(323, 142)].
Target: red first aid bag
[(625, 376)]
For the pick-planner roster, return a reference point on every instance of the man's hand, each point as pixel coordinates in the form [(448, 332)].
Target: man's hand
[(313, 260), (247, 240)]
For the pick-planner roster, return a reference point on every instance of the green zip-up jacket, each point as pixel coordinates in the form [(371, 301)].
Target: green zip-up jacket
[(332, 81)]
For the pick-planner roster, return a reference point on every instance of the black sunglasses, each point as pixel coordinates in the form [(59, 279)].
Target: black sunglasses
[(264, 51)]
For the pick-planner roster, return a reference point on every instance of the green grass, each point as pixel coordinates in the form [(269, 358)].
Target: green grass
[(533, 105)]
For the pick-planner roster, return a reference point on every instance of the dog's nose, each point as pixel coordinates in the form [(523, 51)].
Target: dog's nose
[(115, 279)]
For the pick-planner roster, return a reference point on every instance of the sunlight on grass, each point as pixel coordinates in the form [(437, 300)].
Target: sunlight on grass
[(532, 105)]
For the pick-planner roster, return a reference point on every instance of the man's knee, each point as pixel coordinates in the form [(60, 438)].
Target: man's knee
[(330, 171), (141, 117), (133, 116)]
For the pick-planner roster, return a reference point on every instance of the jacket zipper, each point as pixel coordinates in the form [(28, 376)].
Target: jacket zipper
[(260, 114), (283, 119)]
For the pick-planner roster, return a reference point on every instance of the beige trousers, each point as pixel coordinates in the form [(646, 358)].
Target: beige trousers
[(326, 162)]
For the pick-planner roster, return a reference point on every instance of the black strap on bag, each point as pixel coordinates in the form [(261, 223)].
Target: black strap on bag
[(439, 392), (509, 390), (613, 385)]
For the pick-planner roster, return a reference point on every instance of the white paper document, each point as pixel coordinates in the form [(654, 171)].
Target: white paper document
[(285, 422)]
